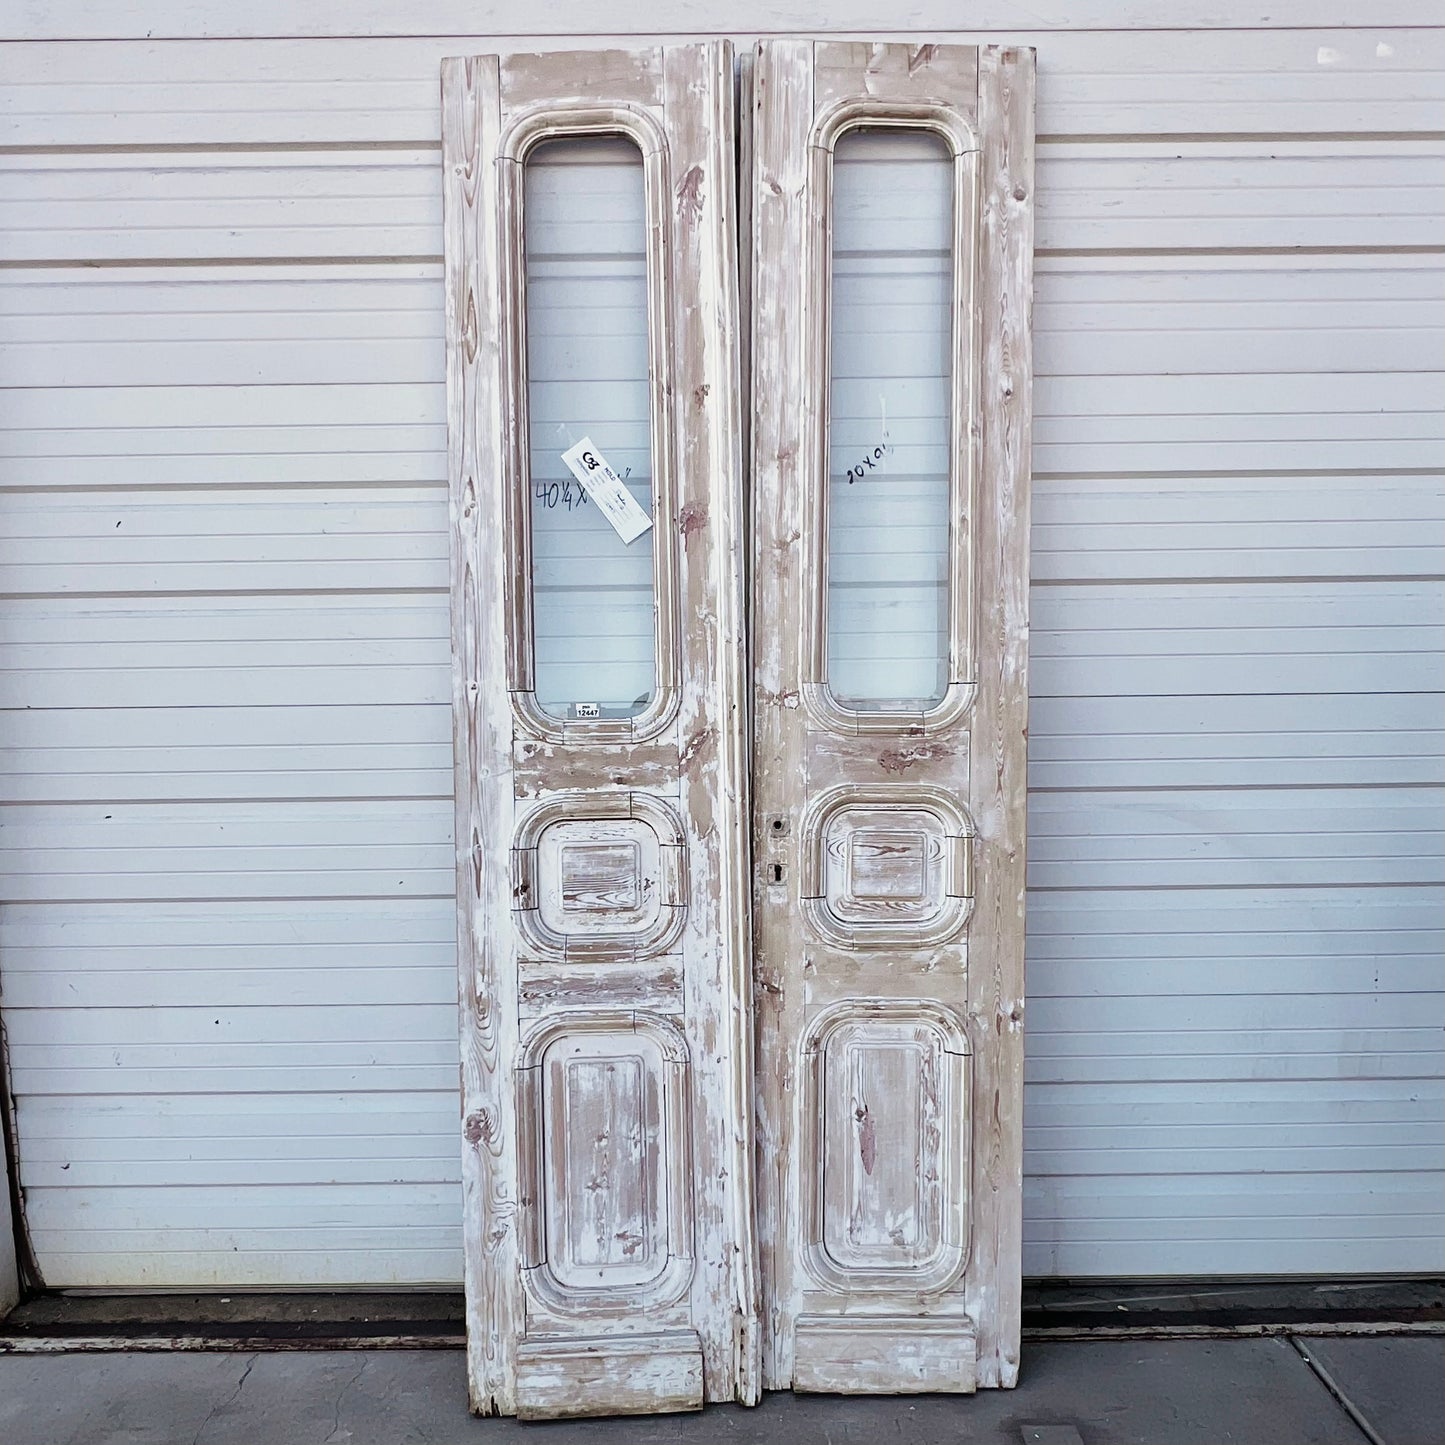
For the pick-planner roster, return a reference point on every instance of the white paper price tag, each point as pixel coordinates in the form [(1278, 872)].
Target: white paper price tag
[(605, 488)]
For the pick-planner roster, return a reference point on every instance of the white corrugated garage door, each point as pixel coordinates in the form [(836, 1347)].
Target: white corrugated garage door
[(227, 960)]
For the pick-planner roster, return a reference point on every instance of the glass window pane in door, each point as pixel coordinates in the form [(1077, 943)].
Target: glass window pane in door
[(587, 376), (890, 420)]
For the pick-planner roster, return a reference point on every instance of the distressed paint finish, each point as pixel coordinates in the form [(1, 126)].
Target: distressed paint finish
[(890, 845), (602, 866), (643, 1375), (885, 1111), (481, 732), (868, 1357), (999, 734), (604, 1158)]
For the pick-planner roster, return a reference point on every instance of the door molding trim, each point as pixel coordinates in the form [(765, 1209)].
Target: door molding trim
[(889, 109), (527, 131)]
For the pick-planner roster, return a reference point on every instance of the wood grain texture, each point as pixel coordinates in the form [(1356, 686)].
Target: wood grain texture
[(885, 1112), (602, 867), (898, 1356), (783, 110), (638, 1374), (875, 830), (997, 786), (713, 766), (481, 735), (604, 1148)]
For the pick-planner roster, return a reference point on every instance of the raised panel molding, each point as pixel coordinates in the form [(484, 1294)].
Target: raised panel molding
[(604, 1162), (886, 867), (528, 130), (891, 69), (884, 1139), (599, 876)]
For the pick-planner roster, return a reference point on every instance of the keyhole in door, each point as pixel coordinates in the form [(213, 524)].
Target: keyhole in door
[(777, 872)]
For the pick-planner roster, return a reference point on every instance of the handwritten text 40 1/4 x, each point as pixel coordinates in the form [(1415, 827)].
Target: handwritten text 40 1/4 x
[(560, 494), (567, 495)]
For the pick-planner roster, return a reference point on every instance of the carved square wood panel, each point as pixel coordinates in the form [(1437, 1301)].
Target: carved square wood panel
[(886, 867), (602, 878), (599, 876), (877, 871)]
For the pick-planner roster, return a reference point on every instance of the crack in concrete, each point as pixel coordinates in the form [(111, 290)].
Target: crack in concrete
[(226, 1403), (1318, 1370), (340, 1396)]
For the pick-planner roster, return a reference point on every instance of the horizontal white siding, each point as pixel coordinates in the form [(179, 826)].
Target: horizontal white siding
[(226, 953), (325, 205), (1384, 77), (493, 19)]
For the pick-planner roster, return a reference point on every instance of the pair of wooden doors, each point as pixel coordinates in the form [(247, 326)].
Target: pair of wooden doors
[(739, 551)]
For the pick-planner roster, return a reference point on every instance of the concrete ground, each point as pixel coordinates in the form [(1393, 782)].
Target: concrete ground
[(1336, 1390)]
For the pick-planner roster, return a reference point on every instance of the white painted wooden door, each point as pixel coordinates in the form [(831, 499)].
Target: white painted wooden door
[(891, 274), (600, 735)]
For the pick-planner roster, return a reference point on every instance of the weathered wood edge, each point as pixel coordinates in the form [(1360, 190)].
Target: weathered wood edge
[(998, 780), (730, 558), (698, 93), (481, 729), (782, 111)]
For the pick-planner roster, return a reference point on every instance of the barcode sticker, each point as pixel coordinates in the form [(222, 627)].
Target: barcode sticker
[(605, 488)]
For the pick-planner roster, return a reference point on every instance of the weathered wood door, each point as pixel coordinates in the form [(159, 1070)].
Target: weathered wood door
[(600, 736), (891, 268)]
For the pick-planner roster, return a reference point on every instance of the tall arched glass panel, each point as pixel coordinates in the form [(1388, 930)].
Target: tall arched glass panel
[(890, 420), (593, 611)]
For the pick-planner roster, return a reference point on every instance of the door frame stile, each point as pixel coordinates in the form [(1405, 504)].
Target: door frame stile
[(998, 797), (481, 729), (705, 230), (783, 81), (730, 557)]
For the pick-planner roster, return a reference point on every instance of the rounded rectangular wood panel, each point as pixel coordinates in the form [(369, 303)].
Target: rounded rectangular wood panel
[(884, 1139), (602, 1103), (600, 1149)]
